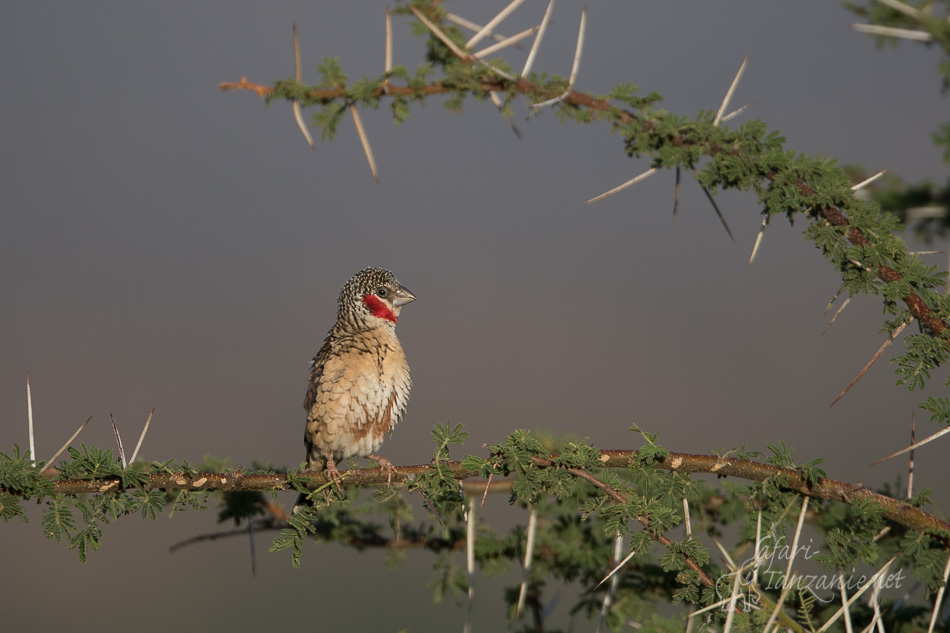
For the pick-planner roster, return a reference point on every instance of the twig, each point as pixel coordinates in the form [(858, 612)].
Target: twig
[(65, 446), (616, 496)]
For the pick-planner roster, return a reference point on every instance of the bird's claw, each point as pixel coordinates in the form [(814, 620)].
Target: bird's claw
[(334, 475), (385, 466)]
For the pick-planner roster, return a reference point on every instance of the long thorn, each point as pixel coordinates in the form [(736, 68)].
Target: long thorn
[(501, 109), (471, 26), (888, 31), (617, 568), (295, 106), (910, 466), (118, 440), (676, 192), (578, 50), (29, 418), (470, 563), (620, 188), (736, 112), (65, 446), (537, 40), (612, 589), (365, 141), (910, 448), (940, 592), (844, 305), (730, 92), (868, 181), (495, 21), (858, 593), (148, 421), (250, 531), (874, 358), (715, 207), (388, 62), (758, 240), (528, 557), (902, 7), (514, 39), (438, 33)]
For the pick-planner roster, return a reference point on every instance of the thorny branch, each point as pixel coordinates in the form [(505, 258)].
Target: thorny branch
[(918, 307), (899, 512)]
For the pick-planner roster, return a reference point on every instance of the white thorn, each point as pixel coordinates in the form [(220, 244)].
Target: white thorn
[(580, 48), (730, 92), (758, 240), (868, 181), (528, 555), (537, 40), (887, 31), (736, 113), (388, 61), (495, 21), (620, 188), (485, 52)]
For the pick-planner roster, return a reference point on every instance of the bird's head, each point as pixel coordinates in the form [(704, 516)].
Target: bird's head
[(374, 297)]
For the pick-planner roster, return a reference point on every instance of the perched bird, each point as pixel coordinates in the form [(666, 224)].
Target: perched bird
[(359, 381)]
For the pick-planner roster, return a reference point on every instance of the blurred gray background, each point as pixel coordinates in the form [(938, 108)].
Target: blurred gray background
[(167, 244)]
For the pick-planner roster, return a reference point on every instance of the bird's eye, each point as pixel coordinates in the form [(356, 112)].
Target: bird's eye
[(382, 291)]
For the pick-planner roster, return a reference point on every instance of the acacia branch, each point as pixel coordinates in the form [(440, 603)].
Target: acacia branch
[(897, 511), (915, 303)]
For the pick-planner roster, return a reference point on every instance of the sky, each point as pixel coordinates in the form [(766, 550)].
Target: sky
[(166, 244)]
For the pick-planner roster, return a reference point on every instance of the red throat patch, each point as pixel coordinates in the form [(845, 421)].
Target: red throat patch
[(378, 308)]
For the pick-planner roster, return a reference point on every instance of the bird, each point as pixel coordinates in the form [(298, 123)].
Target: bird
[(359, 380)]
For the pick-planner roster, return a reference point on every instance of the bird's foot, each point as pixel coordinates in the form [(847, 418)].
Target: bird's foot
[(334, 475), (384, 465)]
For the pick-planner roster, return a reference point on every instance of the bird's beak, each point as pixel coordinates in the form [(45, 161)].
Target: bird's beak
[(403, 296)]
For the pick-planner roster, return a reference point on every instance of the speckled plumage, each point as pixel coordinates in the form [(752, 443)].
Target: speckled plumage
[(359, 382)]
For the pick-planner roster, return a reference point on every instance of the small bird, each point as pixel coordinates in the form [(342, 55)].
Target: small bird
[(359, 381)]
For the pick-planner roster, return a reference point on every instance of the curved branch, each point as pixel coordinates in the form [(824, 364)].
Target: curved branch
[(915, 303)]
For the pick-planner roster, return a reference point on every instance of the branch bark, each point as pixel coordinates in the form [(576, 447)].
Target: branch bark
[(899, 512)]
